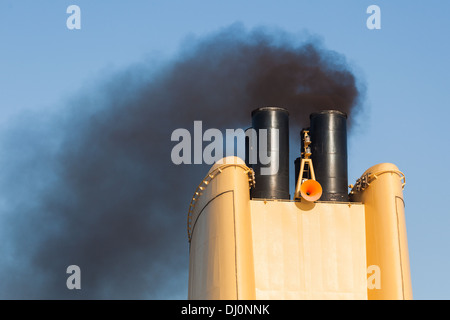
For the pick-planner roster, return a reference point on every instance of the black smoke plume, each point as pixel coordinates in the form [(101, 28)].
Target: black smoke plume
[(95, 186)]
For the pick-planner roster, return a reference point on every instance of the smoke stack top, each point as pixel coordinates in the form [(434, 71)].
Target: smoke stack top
[(328, 131), (274, 121)]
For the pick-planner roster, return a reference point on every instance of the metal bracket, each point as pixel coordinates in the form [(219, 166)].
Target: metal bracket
[(365, 180)]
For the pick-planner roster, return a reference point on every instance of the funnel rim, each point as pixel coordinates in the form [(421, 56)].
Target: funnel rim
[(270, 108), (328, 111)]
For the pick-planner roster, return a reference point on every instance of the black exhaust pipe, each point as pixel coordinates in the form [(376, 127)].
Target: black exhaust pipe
[(270, 184), (328, 132)]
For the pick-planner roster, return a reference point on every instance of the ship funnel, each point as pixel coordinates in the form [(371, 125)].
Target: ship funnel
[(328, 131), (270, 126)]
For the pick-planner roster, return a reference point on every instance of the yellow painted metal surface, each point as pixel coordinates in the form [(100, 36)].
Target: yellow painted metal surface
[(309, 250), (221, 254), (273, 249), (387, 244)]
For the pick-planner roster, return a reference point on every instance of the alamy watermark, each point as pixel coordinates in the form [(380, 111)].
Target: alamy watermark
[(74, 280), (190, 150), (73, 21), (374, 20)]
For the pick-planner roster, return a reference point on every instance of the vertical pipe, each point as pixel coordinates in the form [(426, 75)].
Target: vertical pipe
[(248, 146), (297, 163), (221, 263), (328, 131), (386, 238), (272, 179)]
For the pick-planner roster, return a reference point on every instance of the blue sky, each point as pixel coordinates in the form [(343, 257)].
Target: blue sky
[(405, 67)]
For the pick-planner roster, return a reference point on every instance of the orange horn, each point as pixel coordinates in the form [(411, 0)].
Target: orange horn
[(311, 190)]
